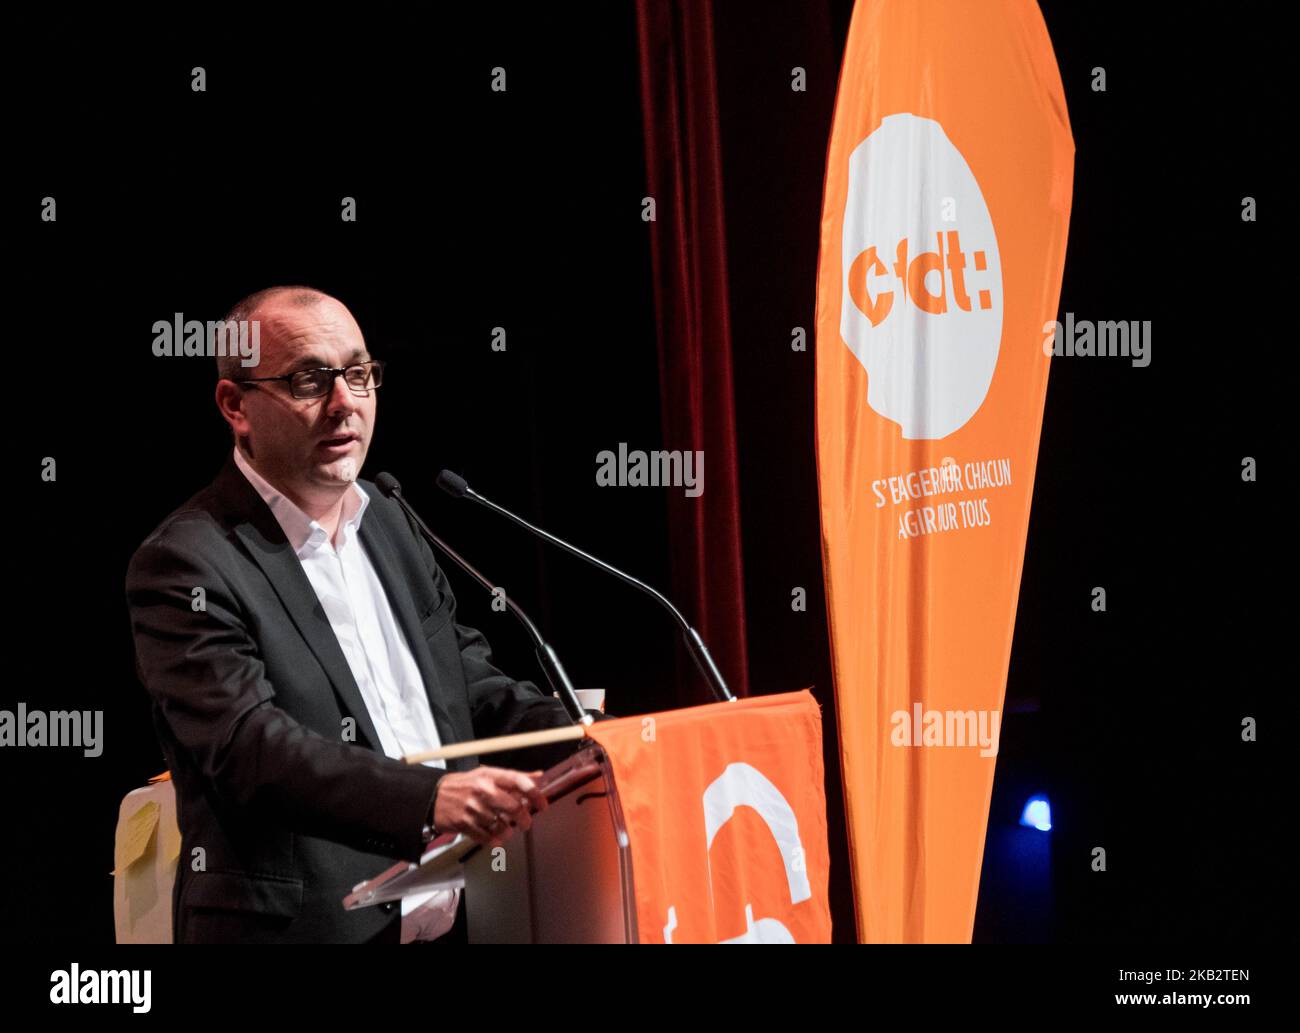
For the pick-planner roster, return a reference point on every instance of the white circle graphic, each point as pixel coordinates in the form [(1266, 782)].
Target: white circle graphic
[(921, 305)]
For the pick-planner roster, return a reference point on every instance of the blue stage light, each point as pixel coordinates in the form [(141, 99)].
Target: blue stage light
[(1037, 814)]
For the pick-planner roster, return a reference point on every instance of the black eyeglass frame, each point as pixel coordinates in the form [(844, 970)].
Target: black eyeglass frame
[(337, 371)]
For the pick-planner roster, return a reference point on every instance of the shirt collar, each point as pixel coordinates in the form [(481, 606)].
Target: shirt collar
[(305, 534)]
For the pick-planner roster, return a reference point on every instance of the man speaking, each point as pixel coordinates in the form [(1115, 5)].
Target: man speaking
[(298, 638)]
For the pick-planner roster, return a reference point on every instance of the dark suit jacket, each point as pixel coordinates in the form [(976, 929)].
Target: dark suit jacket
[(282, 811)]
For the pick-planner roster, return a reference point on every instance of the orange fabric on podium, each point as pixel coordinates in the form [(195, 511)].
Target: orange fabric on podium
[(944, 222), (726, 815)]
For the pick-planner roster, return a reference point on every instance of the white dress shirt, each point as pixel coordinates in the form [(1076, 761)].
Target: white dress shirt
[(357, 606)]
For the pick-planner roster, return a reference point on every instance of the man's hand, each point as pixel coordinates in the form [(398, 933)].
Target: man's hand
[(487, 804)]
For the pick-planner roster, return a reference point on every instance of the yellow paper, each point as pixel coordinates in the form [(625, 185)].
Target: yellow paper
[(133, 841)]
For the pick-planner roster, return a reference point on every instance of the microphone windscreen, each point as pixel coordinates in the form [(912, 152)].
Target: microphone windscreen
[(453, 484), (387, 484)]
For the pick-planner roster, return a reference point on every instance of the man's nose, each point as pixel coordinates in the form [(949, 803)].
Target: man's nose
[(341, 400)]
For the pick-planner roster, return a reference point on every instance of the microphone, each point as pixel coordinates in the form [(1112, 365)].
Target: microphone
[(455, 485), (546, 656)]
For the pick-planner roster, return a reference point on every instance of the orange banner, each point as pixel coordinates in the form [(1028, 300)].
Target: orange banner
[(945, 213), (726, 815)]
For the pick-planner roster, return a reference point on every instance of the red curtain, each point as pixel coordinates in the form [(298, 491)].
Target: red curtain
[(688, 252)]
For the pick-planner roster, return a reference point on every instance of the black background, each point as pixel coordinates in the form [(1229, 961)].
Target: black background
[(522, 210)]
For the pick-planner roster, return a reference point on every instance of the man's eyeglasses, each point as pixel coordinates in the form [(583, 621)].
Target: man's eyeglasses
[(361, 379)]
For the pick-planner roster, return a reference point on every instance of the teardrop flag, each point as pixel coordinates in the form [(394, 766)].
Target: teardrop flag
[(945, 213)]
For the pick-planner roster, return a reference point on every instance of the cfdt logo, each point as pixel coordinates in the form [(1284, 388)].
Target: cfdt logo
[(921, 304)]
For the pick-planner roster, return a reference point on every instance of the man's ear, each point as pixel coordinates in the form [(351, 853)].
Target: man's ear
[(230, 403), (229, 399)]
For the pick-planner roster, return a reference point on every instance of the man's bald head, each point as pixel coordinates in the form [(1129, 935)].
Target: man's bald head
[(298, 296), (310, 448)]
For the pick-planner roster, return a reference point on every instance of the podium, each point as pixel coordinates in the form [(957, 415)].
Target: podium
[(720, 809), (568, 879)]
